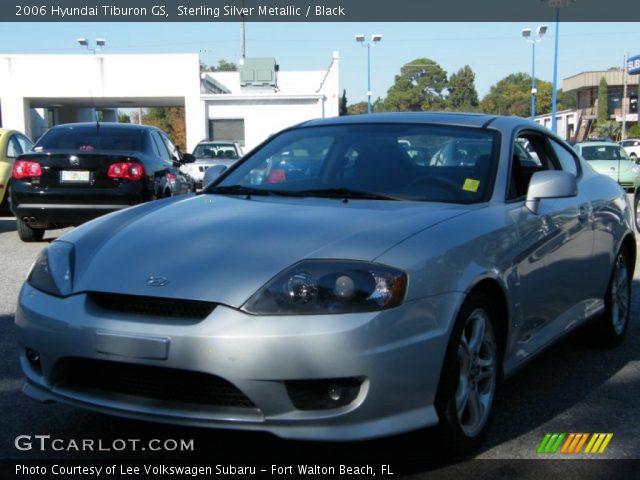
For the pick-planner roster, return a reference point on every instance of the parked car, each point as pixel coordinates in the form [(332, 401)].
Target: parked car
[(611, 159), (79, 171), (12, 144), (210, 153), (370, 296), (632, 147)]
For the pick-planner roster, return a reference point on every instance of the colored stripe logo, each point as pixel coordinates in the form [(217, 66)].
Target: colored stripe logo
[(573, 443)]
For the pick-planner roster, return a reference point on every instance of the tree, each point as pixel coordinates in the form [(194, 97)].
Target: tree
[(343, 109), (357, 108), (171, 121), (603, 107), (566, 100), (512, 96), (463, 96), (124, 118), (634, 131), (608, 130), (419, 86), (223, 66)]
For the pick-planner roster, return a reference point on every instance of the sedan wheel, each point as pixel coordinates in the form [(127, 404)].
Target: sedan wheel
[(469, 376), (611, 328)]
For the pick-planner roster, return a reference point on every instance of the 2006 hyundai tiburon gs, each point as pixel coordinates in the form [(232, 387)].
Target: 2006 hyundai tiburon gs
[(350, 278)]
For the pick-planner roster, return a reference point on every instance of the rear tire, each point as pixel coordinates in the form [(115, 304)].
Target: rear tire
[(609, 330), (469, 377), (27, 233)]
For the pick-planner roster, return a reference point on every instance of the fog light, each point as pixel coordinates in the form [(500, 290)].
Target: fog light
[(335, 392), (323, 394), (33, 358)]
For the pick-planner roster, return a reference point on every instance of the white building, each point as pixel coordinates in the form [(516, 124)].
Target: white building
[(566, 123), (38, 91), (250, 110)]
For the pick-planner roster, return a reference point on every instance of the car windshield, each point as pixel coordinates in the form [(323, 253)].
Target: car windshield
[(375, 161), (215, 150), (604, 152), (90, 137)]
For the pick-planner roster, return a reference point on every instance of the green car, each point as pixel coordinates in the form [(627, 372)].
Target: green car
[(611, 159)]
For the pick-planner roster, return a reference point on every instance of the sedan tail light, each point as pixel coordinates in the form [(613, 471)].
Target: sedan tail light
[(127, 170), (171, 176), (26, 169)]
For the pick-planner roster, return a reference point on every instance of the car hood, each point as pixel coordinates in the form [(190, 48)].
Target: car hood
[(223, 249)]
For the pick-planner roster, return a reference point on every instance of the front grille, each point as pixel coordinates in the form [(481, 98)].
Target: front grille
[(153, 306), (159, 383)]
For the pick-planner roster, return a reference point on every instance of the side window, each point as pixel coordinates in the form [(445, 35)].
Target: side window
[(173, 151), (25, 144), (164, 155), (529, 155), (566, 159), (13, 148)]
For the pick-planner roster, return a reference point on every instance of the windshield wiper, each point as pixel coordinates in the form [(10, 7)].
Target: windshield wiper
[(346, 193), (239, 190)]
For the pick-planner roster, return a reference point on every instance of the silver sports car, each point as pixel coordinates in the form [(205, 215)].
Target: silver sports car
[(348, 279)]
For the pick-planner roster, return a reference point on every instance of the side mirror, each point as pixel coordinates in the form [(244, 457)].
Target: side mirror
[(188, 158), (550, 184), (176, 163), (211, 174)]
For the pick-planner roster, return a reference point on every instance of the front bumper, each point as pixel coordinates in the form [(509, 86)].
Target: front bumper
[(398, 353)]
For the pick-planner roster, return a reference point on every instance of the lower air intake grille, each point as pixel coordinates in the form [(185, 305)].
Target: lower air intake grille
[(155, 382), (153, 306)]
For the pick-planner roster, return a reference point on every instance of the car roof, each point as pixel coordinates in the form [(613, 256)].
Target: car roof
[(111, 125), (437, 118), (597, 144)]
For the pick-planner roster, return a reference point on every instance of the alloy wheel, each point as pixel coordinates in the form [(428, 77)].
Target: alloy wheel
[(620, 295), (477, 362)]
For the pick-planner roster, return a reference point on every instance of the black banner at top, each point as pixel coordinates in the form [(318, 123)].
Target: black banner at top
[(318, 10)]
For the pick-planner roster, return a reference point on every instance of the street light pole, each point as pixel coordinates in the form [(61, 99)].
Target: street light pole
[(368, 78), (375, 38), (526, 33), (554, 94)]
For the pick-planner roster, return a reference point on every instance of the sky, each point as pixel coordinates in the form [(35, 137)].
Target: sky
[(493, 50)]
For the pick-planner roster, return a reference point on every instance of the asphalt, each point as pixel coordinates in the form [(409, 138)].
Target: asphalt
[(572, 387)]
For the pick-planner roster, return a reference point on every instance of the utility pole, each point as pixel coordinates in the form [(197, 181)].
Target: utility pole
[(242, 39), (623, 134)]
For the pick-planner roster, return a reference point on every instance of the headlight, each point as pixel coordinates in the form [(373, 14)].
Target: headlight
[(52, 272), (329, 286)]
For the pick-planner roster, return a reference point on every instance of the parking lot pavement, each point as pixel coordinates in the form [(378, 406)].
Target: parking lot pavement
[(569, 388)]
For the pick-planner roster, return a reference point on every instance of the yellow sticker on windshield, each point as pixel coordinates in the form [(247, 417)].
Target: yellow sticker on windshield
[(471, 185)]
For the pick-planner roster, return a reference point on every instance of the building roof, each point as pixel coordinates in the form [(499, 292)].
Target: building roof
[(288, 83), (592, 79)]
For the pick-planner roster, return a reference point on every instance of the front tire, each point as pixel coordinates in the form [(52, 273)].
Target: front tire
[(469, 377), (611, 327), (636, 209), (27, 233)]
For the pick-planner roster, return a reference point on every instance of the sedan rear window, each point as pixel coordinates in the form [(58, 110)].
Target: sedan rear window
[(87, 138), (384, 161)]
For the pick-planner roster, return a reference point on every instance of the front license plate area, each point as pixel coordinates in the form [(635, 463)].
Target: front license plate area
[(75, 176)]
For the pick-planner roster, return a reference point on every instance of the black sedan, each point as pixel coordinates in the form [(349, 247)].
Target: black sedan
[(80, 171)]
